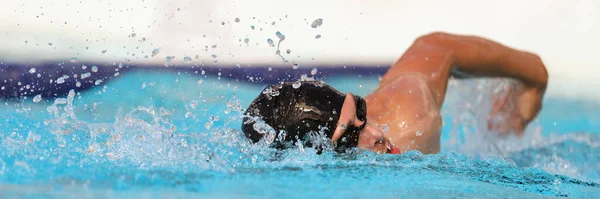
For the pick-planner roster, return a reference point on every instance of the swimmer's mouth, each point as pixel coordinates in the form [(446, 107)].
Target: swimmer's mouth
[(393, 150)]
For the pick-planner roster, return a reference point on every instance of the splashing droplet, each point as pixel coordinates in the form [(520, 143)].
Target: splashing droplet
[(78, 84), (187, 59), (94, 68), (316, 23), (252, 27), (194, 104), (246, 40), (32, 70), (296, 84), (74, 60), (270, 42), (169, 58), (104, 51), (280, 36), (213, 56), (270, 69), (295, 66), (98, 82), (60, 80), (288, 51), (49, 44), (85, 75), (418, 133), (155, 52), (37, 98), (200, 81), (313, 71), (237, 20), (84, 67), (318, 36)]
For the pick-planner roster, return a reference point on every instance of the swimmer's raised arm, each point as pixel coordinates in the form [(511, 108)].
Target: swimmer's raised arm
[(439, 55)]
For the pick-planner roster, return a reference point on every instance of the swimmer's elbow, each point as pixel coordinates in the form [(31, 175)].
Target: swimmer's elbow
[(432, 38)]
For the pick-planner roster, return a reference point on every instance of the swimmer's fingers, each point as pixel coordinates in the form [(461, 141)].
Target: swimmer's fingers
[(347, 117)]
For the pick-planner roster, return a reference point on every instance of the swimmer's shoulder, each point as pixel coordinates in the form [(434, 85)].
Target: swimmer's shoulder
[(407, 90)]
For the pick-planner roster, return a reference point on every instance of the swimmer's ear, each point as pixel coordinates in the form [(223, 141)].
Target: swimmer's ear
[(347, 117)]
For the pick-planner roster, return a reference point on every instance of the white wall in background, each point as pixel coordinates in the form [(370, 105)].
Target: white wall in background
[(564, 33)]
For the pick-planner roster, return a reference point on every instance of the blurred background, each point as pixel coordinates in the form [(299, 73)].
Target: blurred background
[(228, 33)]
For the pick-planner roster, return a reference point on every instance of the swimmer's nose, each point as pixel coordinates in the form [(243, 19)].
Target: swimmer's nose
[(372, 138)]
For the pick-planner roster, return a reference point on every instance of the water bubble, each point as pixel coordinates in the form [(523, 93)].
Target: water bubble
[(418, 133), (2, 88), (213, 56), (270, 69), (37, 98), (32, 70), (203, 72), (316, 23), (116, 74), (39, 75), (252, 27), (73, 60), (155, 52), (104, 51), (60, 80), (277, 52), (295, 66), (270, 42), (94, 68), (237, 20), (98, 82), (78, 84), (84, 67), (318, 36), (297, 84), (313, 71), (143, 86), (49, 44), (246, 40), (360, 85), (85, 75), (194, 104), (132, 35), (280, 36), (187, 59), (288, 51)]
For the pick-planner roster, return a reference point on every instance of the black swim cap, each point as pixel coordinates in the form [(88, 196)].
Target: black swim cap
[(298, 110)]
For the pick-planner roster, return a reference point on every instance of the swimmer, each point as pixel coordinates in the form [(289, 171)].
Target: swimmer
[(403, 113)]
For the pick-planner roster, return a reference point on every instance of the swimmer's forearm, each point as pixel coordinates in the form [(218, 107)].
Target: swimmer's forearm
[(477, 56)]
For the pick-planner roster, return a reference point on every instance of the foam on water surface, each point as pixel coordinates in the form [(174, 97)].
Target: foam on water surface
[(140, 135)]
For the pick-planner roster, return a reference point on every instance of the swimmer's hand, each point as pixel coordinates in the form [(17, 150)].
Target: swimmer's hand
[(514, 107)]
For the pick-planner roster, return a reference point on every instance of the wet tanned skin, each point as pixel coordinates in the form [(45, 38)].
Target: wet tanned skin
[(408, 100)]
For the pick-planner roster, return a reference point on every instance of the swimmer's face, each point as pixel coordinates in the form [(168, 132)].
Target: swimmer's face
[(370, 137)]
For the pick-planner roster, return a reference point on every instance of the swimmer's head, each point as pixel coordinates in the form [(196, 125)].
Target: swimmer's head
[(299, 109)]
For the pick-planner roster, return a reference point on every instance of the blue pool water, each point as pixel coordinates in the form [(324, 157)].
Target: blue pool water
[(162, 135)]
